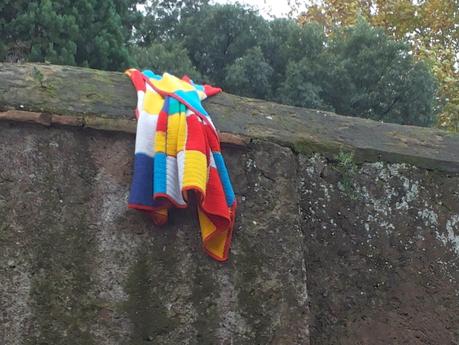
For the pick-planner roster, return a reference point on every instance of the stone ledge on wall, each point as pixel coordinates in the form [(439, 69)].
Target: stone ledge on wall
[(51, 94)]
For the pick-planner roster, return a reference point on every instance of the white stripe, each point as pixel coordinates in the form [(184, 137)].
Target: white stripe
[(211, 123), (212, 161), (145, 136), (172, 182), (181, 167), (140, 98), (149, 88)]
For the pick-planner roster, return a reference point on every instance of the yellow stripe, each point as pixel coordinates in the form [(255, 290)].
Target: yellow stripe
[(217, 245), (195, 170), (207, 227), (172, 134), (181, 136), (152, 103), (160, 141), (169, 83)]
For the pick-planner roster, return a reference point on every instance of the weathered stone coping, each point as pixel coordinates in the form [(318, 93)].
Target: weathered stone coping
[(50, 94)]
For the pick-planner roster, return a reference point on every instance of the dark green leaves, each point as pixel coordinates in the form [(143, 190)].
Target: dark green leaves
[(83, 32), (355, 71)]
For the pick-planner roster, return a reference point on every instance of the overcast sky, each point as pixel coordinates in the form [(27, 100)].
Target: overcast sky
[(277, 8)]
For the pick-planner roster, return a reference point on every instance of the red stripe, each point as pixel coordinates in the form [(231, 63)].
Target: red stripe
[(195, 135), (212, 139), (187, 79), (161, 125), (211, 90), (138, 80), (215, 202)]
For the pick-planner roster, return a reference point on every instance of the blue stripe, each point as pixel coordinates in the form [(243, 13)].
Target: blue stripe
[(151, 74), (160, 173), (224, 177), (165, 107), (192, 98), (198, 87), (141, 185), (175, 106)]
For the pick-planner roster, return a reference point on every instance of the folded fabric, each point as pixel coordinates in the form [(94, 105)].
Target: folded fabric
[(178, 157)]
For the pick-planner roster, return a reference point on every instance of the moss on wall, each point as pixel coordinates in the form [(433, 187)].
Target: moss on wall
[(145, 307), (61, 257)]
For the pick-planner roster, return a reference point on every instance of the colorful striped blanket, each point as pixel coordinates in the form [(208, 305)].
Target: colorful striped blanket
[(178, 157)]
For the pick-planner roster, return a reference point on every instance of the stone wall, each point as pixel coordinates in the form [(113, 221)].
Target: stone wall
[(78, 267), (347, 229), (324, 252), (381, 252)]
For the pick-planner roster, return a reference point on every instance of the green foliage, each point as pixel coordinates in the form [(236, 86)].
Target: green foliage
[(163, 18), (217, 35), (362, 72), (165, 57), (354, 70), (38, 76), (302, 86), (370, 75), (83, 32), (286, 43), (249, 75), (429, 27), (346, 161), (347, 167)]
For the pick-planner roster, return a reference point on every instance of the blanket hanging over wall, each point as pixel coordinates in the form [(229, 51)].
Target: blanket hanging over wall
[(177, 154)]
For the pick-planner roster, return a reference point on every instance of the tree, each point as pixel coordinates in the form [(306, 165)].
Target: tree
[(301, 87), (430, 26), (165, 57), (217, 35), (83, 32), (163, 17), (222, 38), (362, 72), (285, 41), (382, 81), (249, 75), (356, 72)]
